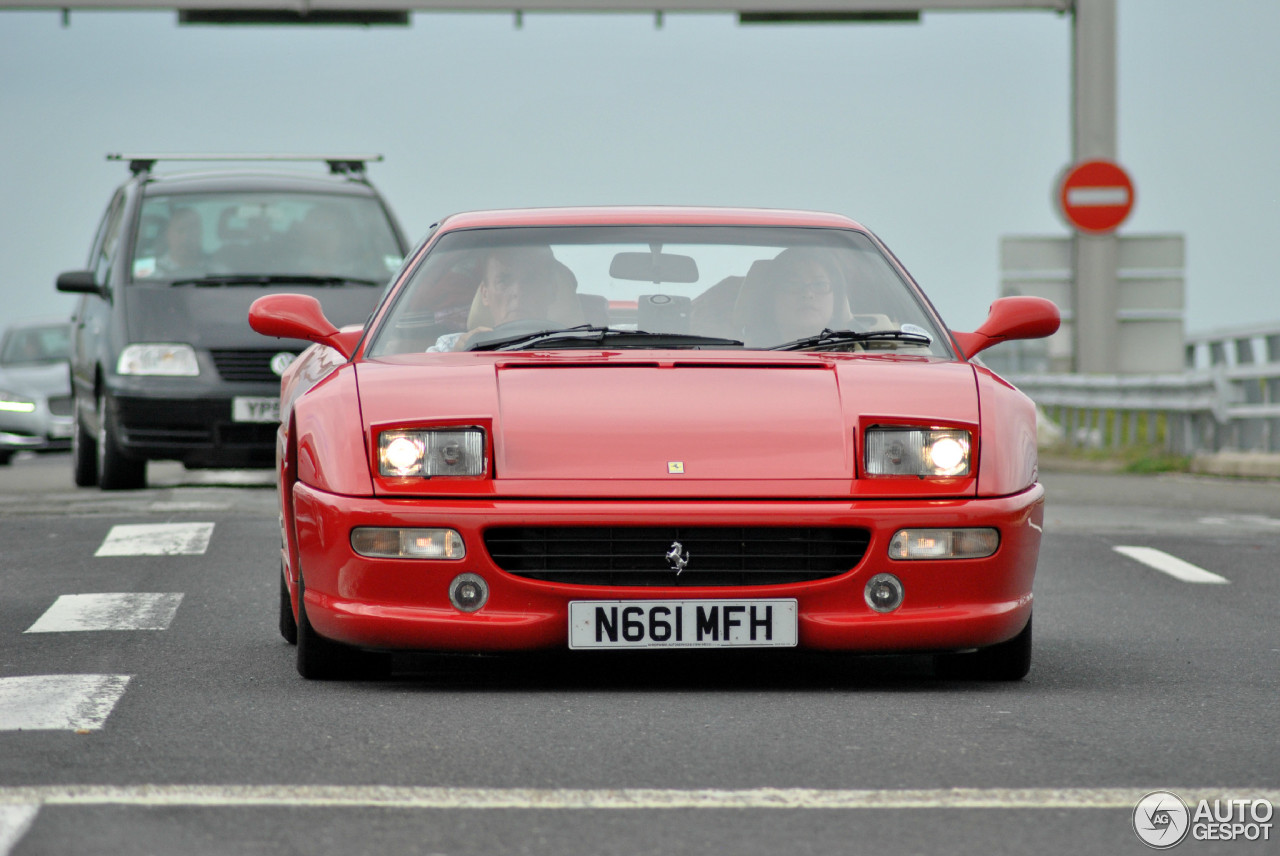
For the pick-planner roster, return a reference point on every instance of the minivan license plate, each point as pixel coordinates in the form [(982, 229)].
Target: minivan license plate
[(247, 409), (682, 623)]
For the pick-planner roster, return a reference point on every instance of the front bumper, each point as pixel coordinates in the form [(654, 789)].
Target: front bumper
[(38, 431), (199, 430), (403, 604)]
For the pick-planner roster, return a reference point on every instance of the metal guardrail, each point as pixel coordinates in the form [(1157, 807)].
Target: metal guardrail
[(1228, 399)]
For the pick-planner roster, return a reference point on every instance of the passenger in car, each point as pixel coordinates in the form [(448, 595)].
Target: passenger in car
[(798, 293), (325, 242), (519, 284), (184, 253)]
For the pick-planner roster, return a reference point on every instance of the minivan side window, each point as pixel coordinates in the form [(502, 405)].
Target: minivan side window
[(107, 241)]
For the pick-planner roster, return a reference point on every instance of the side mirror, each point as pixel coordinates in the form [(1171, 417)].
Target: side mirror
[(299, 316), (79, 282), (1011, 318)]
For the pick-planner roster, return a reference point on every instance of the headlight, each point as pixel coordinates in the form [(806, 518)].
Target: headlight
[(432, 452), (11, 402), (976, 543), (929, 452), (163, 360)]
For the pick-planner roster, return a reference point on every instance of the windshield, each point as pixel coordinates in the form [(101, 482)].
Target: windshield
[(32, 345), (193, 236), (762, 287)]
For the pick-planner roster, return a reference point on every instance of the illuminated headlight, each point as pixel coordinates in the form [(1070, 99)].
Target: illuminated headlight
[(165, 360), (928, 452), (11, 402), (434, 452), (943, 543), (380, 543)]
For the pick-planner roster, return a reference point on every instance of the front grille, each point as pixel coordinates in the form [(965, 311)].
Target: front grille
[(245, 365), (636, 556), (60, 405)]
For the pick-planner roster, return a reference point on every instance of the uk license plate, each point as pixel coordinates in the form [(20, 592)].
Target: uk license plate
[(253, 409), (682, 623)]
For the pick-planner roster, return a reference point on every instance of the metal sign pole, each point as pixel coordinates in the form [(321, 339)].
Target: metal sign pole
[(1096, 257)]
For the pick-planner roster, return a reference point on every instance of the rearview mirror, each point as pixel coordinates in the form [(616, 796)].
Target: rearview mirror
[(654, 267)]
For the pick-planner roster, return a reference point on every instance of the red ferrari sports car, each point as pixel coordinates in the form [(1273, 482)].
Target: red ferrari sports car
[(622, 428)]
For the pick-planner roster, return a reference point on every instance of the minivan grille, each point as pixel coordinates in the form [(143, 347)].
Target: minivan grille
[(252, 365), (637, 556)]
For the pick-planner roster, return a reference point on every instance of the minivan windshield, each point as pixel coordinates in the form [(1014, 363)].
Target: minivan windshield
[(670, 286), (219, 236)]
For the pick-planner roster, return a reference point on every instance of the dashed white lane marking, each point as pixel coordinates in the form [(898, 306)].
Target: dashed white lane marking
[(1171, 565), (157, 539), (15, 820), (126, 611), (58, 702), (321, 796), (1252, 521), (188, 506)]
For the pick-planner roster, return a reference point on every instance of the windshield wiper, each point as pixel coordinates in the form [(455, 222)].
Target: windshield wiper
[(835, 338), (588, 336), (214, 280)]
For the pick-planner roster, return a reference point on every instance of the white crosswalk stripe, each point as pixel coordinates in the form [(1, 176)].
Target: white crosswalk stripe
[(58, 702), (107, 611), (15, 820), (157, 539), (1171, 565)]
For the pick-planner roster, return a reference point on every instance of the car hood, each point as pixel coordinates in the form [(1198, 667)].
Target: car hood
[(43, 379), (687, 418), (217, 316)]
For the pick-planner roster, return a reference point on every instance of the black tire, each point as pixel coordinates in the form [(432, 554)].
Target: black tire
[(116, 470), (84, 452), (1008, 661), (288, 624), (6, 455), (321, 659)]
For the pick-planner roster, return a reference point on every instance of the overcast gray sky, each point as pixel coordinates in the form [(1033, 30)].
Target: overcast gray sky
[(940, 136)]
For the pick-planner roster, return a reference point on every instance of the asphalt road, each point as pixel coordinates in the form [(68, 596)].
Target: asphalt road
[(193, 734)]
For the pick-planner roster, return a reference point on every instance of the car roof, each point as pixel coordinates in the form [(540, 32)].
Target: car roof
[(224, 180), (645, 215)]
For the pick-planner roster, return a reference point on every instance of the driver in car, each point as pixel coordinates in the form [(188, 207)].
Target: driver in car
[(519, 284)]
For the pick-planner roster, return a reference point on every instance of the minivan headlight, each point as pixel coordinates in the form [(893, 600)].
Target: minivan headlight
[(432, 452), (925, 452), (164, 360)]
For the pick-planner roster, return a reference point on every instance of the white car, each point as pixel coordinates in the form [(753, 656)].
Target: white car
[(35, 388)]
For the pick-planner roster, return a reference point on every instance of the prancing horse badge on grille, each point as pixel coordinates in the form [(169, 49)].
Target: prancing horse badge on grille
[(678, 556)]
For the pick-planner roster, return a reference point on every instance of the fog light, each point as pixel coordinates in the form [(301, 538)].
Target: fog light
[(468, 592), (380, 543), (975, 543), (883, 593)]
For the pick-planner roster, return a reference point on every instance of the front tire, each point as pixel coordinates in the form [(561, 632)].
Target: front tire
[(1007, 661), (116, 470), (321, 659), (84, 452), (288, 624)]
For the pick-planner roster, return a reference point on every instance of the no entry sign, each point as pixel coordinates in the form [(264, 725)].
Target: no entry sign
[(1095, 196)]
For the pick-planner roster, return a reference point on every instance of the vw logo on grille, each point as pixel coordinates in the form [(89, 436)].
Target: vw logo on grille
[(678, 557), (281, 361)]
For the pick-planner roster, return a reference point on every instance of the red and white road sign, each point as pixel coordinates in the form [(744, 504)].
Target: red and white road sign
[(1095, 196)]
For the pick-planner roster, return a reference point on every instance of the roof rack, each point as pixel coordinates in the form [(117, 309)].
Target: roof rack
[(341, 164)]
